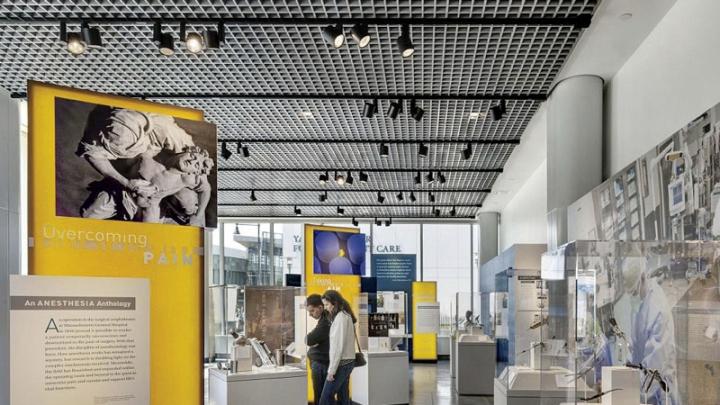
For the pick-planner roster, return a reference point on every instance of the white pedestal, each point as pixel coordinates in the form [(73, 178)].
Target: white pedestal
[(519, 385), (385, 380), (475, 365), (281, 385), (626, 381), (443, 345)]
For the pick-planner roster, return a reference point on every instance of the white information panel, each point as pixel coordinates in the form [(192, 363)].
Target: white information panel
[(427, 316), (79, 340)]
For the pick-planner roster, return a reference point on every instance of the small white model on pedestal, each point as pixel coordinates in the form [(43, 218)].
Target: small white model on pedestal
[(626, 383), (242, 355)]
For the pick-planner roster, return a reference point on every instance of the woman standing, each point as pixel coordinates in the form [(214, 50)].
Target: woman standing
[(342, 349)]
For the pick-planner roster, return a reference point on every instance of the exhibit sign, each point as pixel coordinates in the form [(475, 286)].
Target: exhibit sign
[(428, 317), (424, 343), (395, 272), (79, 340), (65, 240)]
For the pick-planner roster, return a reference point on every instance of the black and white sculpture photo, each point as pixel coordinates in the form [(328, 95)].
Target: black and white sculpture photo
[(126, 165)]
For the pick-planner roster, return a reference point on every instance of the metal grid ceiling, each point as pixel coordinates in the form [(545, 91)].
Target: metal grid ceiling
[(293, 59)]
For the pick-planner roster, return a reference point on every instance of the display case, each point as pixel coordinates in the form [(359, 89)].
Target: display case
[(383, 321), (639, 319)]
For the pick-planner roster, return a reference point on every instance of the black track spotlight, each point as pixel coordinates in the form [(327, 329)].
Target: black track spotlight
[(415, 111), (496, 112), (431, 197), (430, 178), (252, 196), (388, 222), (166, 44), (157, 32), (193, 40), (340, 210), (323, 197), (422, 150), (503, 106), (394, 109), (405, 43), (412, 197), (363, 177), (334, 35), (378, 222), (355, 222), (90, 35), (400, 196), (75, 44), (323, 178), (384, 150), (441, 178), (380, 198), (213, 38), (418, 178), (453, 212), (437, 212), (243, 149), (360, 34), (349, 179), (467, 152), (339, 179), (298, 211), (225, 152), (370, 108)]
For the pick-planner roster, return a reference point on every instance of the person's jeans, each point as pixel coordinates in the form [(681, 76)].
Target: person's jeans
[(319, 374), (340, 386)]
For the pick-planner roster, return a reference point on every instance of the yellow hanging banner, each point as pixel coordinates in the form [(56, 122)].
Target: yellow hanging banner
[(347, 285), (170, 256)]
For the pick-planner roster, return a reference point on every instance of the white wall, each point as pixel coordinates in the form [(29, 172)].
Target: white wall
[(673, 76), (523, 220), (9, 223)]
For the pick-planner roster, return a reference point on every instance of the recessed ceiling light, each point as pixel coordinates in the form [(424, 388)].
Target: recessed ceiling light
[(476, 115), (625, 16), (307, 114)]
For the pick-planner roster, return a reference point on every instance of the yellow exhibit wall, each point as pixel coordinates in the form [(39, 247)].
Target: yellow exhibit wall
[(348, 286), (424, 344), (168, 255)]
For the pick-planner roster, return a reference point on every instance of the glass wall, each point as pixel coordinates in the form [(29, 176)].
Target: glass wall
[(260, 254)]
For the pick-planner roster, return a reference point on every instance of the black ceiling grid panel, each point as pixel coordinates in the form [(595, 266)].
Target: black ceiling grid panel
[(279, 83)]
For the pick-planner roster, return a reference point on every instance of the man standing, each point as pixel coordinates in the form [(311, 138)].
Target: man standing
[(318, 341)]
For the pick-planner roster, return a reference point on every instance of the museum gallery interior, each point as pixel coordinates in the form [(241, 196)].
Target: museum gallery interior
[(509, 202)]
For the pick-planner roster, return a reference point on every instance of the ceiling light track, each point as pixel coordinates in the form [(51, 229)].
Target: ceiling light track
[(334, 205), (576, 21), (374, 141), (326, 96), (348, 190), (369, 170)]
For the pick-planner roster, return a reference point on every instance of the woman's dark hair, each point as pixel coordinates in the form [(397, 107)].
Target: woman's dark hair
[(339, 303)]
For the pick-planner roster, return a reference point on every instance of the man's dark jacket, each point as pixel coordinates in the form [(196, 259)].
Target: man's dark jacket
[(320, 336)]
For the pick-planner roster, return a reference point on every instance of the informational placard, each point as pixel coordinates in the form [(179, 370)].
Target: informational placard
[(380, 324), (428, 317), (79, 340)]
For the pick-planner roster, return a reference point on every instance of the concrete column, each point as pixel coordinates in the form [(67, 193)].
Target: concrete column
[(574, 148), (574, 167), (487, 250), (9, 225)]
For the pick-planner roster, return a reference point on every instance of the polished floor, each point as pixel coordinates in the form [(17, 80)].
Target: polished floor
[(430, 384)]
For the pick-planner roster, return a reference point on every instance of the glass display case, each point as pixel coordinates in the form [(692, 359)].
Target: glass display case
[(383, 321), (466, 314), (648, 310)]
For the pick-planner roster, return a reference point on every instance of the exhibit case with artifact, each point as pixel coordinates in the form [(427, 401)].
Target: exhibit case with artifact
[(638, 321), (267, 328)]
